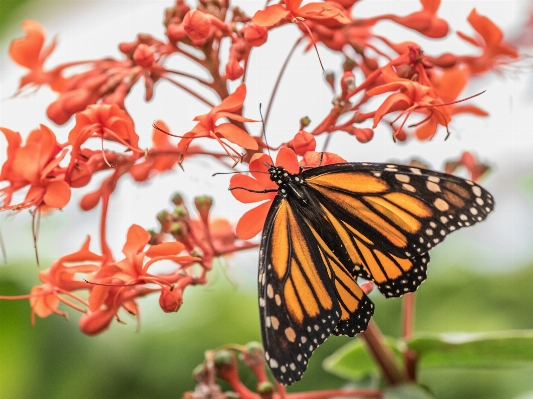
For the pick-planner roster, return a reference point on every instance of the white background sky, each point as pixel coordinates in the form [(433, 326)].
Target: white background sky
[(92, 30)]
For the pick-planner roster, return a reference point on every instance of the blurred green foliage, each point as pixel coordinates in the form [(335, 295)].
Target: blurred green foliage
[(54, 360), (7, 8)]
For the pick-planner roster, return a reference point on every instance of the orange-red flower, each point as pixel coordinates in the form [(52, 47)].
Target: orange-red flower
[(495, 51), (291, 10), (60, 280), (161, 157), (118, 284), (29, 52), (468, 161), (252, 222), (104, 121), (207, 126), (36, 164), (409, 97)]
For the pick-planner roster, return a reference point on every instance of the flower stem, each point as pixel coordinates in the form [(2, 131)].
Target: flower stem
[(382, 354), (408, 319)]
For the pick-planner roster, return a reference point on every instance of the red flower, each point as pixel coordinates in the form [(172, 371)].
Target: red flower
[(490, 39), (468, 161), (252, 222), (60, 279), (409, 97), (105, 121), (35, 164), (291, 10), (161, 157), (29, 52), (207, 126)]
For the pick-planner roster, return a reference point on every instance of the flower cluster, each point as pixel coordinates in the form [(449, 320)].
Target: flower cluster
[(383, 82)]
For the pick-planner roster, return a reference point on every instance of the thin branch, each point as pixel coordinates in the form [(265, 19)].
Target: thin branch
[(278, 80), (198, 96)]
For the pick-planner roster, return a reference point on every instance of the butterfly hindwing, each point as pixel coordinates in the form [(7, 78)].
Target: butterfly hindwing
[(305, 293)]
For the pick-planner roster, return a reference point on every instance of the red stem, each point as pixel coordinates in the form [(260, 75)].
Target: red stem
[(382, 354), (408, 320)]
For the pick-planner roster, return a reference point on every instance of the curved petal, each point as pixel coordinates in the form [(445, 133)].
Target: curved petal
[(233, 102), (426, 130), (252, 222), (288, 159), (25, 51), (57, 194), (248, 182), (259, 169), (165, 249), (270, 16), (235, 117), (136, 240), (393, 103), (236, 135)]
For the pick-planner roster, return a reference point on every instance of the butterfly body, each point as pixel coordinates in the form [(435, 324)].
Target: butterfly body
[(330, 225)]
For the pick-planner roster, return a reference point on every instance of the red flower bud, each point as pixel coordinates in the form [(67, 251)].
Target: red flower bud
[(363, 135), (233, 70), (170, 301), (175, 32), (56, 113), (89, 201), (196, 25), (143, 56), (93, 323), (255, 35), (302, 143), (348, 82)]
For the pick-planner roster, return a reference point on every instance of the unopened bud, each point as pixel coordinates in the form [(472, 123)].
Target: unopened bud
[(196, 25)]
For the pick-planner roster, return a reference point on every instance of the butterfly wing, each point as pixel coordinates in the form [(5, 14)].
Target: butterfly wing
[(388, 216), (305, 292)]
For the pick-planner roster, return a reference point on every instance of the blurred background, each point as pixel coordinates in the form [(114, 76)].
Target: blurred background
[(479, 280)]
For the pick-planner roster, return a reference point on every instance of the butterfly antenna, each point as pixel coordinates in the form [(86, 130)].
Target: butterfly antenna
[(264, 132)]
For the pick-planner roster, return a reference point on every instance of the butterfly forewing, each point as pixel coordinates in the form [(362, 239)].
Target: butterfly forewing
[(305, 293), (400, 209)]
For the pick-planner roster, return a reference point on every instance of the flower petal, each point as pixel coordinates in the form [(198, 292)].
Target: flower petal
[(25, 51), (252, 222), (271, 15), (57, 194), (136, 240), (248, 182), (164, 249), (237, 136), (233, 102), (288, 159)]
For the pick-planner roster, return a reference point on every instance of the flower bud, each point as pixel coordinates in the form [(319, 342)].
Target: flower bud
[(203, 204), (233, 69), (93, 323), (196, 25), (89, 201), (302, 142), (363, 135), (348, 82), (255, 35), (143, 56), (170, 300), (175, 32)]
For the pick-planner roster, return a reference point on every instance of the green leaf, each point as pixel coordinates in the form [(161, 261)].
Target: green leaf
[(484, 350), (354, 362), (407, 391)]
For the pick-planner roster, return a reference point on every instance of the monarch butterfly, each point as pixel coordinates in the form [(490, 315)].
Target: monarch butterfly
[(331, 224)]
